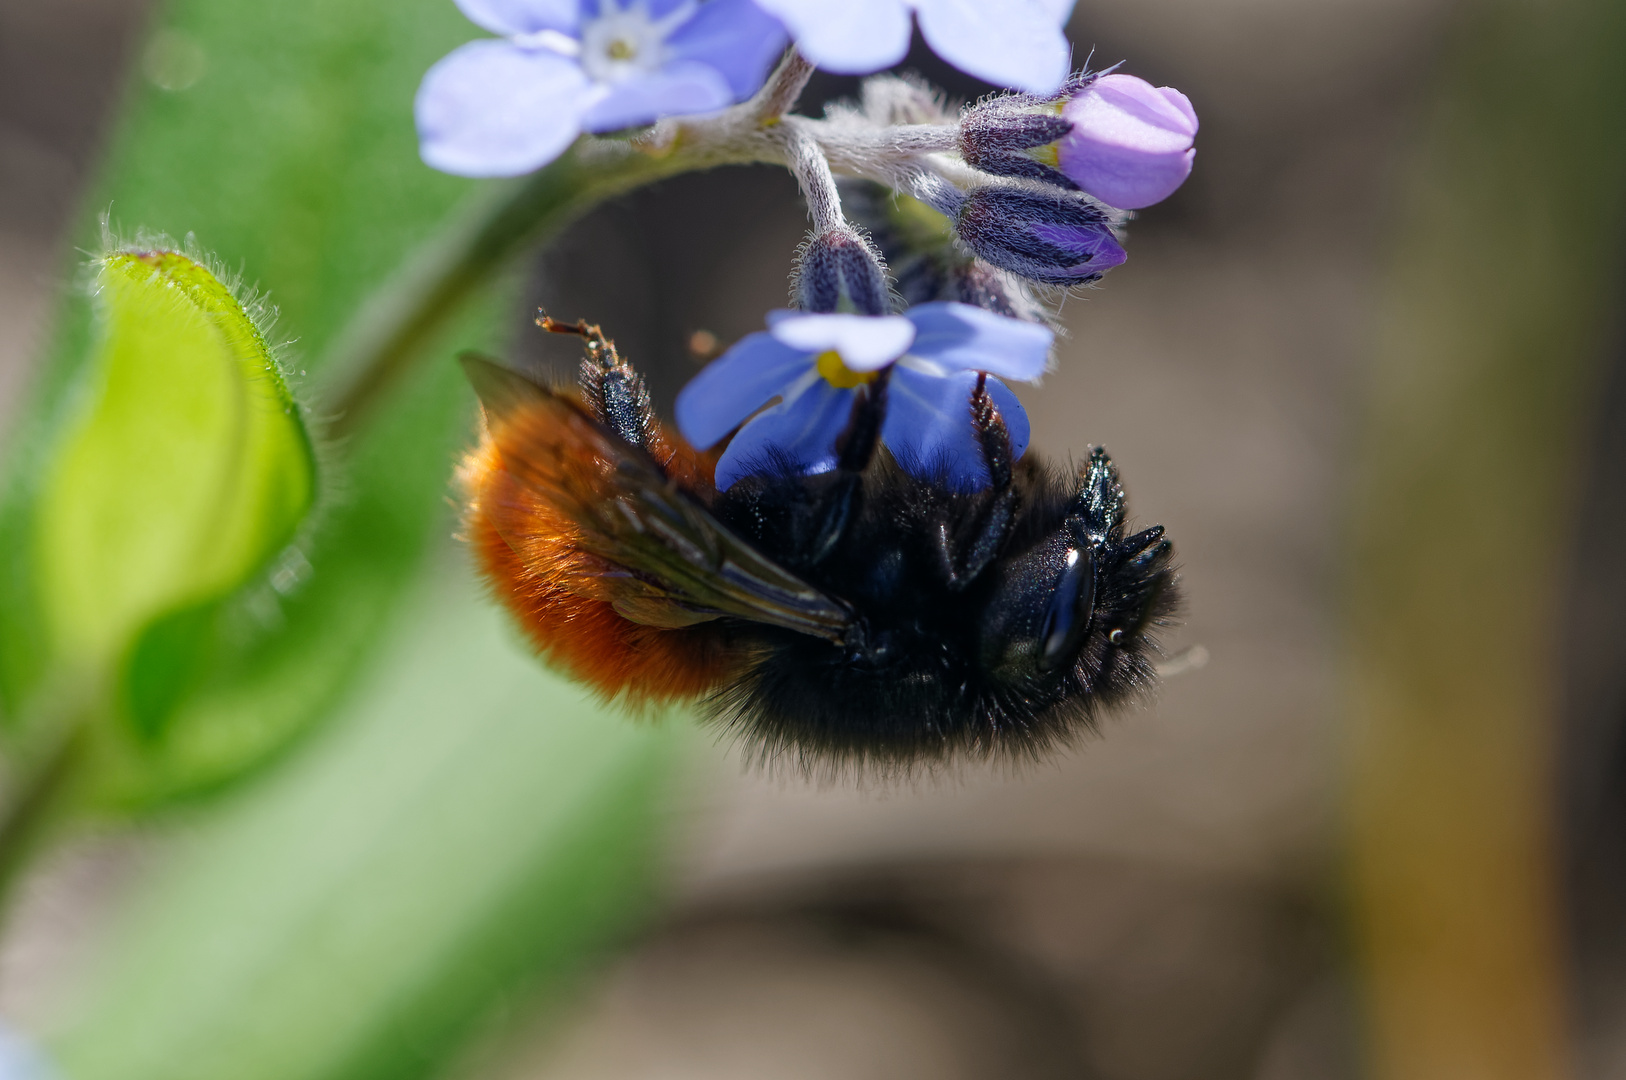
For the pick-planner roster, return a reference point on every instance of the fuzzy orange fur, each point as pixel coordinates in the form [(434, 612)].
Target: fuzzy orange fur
[(529, 553)]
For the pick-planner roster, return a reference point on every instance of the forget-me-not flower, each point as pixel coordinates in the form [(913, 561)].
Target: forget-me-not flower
[(814, 362), (506, 107), (1015, 43)]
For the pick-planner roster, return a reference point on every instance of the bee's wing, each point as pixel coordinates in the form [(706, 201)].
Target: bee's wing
[(665, 560)]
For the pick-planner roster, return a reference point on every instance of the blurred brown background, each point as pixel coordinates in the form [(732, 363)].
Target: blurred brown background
[(1161, 904)]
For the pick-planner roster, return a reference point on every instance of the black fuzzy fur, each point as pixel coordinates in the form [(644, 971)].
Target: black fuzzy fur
[(939, 595), (938, 669)]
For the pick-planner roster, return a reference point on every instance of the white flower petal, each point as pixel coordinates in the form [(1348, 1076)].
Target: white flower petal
[(864, 342)]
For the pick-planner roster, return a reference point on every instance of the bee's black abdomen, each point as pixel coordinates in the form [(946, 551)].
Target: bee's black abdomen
[(946, 664)]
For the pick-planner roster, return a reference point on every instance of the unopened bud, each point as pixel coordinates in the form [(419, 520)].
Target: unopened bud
[(1059, 238), (1016, 135), (1115, 137), (1131, 141), (981, 285), (838, 270), (926, 263)]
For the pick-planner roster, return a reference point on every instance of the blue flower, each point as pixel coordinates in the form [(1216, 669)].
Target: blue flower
[(1017, 43), (502, 108), (812, 364)]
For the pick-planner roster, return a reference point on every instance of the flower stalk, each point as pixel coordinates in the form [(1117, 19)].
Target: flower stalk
[(393, 327)]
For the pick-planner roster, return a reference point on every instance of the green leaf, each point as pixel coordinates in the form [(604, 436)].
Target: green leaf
[(477, 826), (187, 468), (293, 156)]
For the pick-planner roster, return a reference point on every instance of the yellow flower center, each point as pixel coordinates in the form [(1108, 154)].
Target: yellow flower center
[(839, 375), (621, 49)]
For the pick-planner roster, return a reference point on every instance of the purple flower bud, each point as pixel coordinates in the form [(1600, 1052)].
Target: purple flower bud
[(1130, 144), (838, 270), (1116, 137), (1059, 238), (1015, 135)]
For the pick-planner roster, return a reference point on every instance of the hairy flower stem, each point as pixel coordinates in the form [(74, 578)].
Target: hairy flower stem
[(818, 184), (395, 325)]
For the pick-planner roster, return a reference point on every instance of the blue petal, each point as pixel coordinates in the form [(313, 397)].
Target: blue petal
[(1015, 417), (850, 37), (962, 336), (928, 426), (657, 9), (737, 38), (865, 342), (735, 385), (800, 433), (491, 108), (513, 17), (675, 90), (1018, 43)]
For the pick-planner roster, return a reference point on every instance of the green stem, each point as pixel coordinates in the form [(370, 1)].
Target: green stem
[(393, 327)]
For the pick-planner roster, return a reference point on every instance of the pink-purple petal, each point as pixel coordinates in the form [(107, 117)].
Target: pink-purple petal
[(965, 337), (1131, 142), (490, 108)]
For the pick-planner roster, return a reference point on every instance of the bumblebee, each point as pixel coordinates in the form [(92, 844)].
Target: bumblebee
[(863, 616)]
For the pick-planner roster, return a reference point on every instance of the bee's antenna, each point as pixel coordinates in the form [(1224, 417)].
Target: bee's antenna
[(601, 348)]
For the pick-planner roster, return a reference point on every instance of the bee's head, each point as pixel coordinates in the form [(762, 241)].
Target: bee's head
[(1072, 615)]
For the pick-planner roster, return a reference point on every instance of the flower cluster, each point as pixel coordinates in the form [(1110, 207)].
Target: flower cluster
[(814, 363), (1031, 187)]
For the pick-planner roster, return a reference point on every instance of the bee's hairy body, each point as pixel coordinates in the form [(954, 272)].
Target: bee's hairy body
[(862, 615)]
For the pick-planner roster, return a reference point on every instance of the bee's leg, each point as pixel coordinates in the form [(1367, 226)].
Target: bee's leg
[(1097, 513), (857, 442), (854, 449), (992, 436), (966, 552), (616, 396), (612, 391)]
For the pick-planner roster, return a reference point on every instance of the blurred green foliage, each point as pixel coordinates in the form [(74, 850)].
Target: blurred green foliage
[(294, 158), (458, 826), (472, 825), (186, 469), (1502, 298)]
